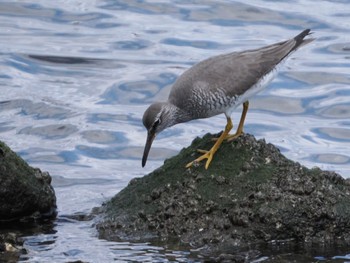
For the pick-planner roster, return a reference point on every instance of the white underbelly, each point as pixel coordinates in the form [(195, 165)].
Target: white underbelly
[(259, 86)]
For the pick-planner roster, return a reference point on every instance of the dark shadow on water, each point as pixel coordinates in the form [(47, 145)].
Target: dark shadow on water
[(14, 236), (62, 60)]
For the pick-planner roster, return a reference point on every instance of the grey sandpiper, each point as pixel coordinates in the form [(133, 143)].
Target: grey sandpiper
[(218, 85)]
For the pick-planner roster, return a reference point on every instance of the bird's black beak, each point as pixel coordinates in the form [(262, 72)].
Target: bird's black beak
[(150, 137)]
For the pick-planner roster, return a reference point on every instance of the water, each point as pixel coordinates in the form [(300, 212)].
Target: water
[(76, 77)]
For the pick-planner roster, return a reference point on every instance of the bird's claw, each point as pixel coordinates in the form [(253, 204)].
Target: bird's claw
[(206, 155), (230, 137), (202, 151)]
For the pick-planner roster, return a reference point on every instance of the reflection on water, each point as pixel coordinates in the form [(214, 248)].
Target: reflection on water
[(76, 78)]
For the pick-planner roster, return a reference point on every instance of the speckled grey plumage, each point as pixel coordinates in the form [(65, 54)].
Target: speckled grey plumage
[(218, 85), (215, 83)]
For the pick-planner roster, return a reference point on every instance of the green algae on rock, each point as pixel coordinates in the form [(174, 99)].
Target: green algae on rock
[(250, 194), (25, 192)]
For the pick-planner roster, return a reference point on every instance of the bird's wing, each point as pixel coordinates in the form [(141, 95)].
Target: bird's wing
[(235, 72)]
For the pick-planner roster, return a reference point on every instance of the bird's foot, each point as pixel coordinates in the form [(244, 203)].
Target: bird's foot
[(206, 155), (210, 154), (230, 137)]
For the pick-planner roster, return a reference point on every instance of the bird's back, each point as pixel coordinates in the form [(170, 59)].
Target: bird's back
[(208, 87)]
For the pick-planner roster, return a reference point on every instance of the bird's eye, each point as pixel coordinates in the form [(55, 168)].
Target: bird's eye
[(156, 123)]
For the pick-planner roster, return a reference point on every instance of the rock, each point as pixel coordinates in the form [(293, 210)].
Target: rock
[(25, 192), (26, 198), (250, 194), (11, 247)]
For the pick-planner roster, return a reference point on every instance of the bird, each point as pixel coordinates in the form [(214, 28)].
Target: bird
[(218, 85)]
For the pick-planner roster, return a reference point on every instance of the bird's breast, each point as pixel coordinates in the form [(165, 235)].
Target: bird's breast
[(204, 103)]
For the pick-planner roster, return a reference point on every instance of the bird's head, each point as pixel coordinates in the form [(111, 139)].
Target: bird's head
[(156, 118)]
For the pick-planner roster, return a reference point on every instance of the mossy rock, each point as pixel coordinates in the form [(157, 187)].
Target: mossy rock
[(25, 192), (250, 194)]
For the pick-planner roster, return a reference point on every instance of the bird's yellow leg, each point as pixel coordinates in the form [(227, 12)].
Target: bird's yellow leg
[(210, 154), (239, 131)]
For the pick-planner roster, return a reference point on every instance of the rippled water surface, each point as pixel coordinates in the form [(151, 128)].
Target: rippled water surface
[(76, 77)]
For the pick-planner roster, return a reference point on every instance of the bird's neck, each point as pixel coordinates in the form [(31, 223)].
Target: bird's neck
[(175, 114)]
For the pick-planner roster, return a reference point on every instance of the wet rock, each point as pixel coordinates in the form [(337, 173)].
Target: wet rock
[(25, 192), (27, 199), (11, 247), (251, 194), (13, 235)]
